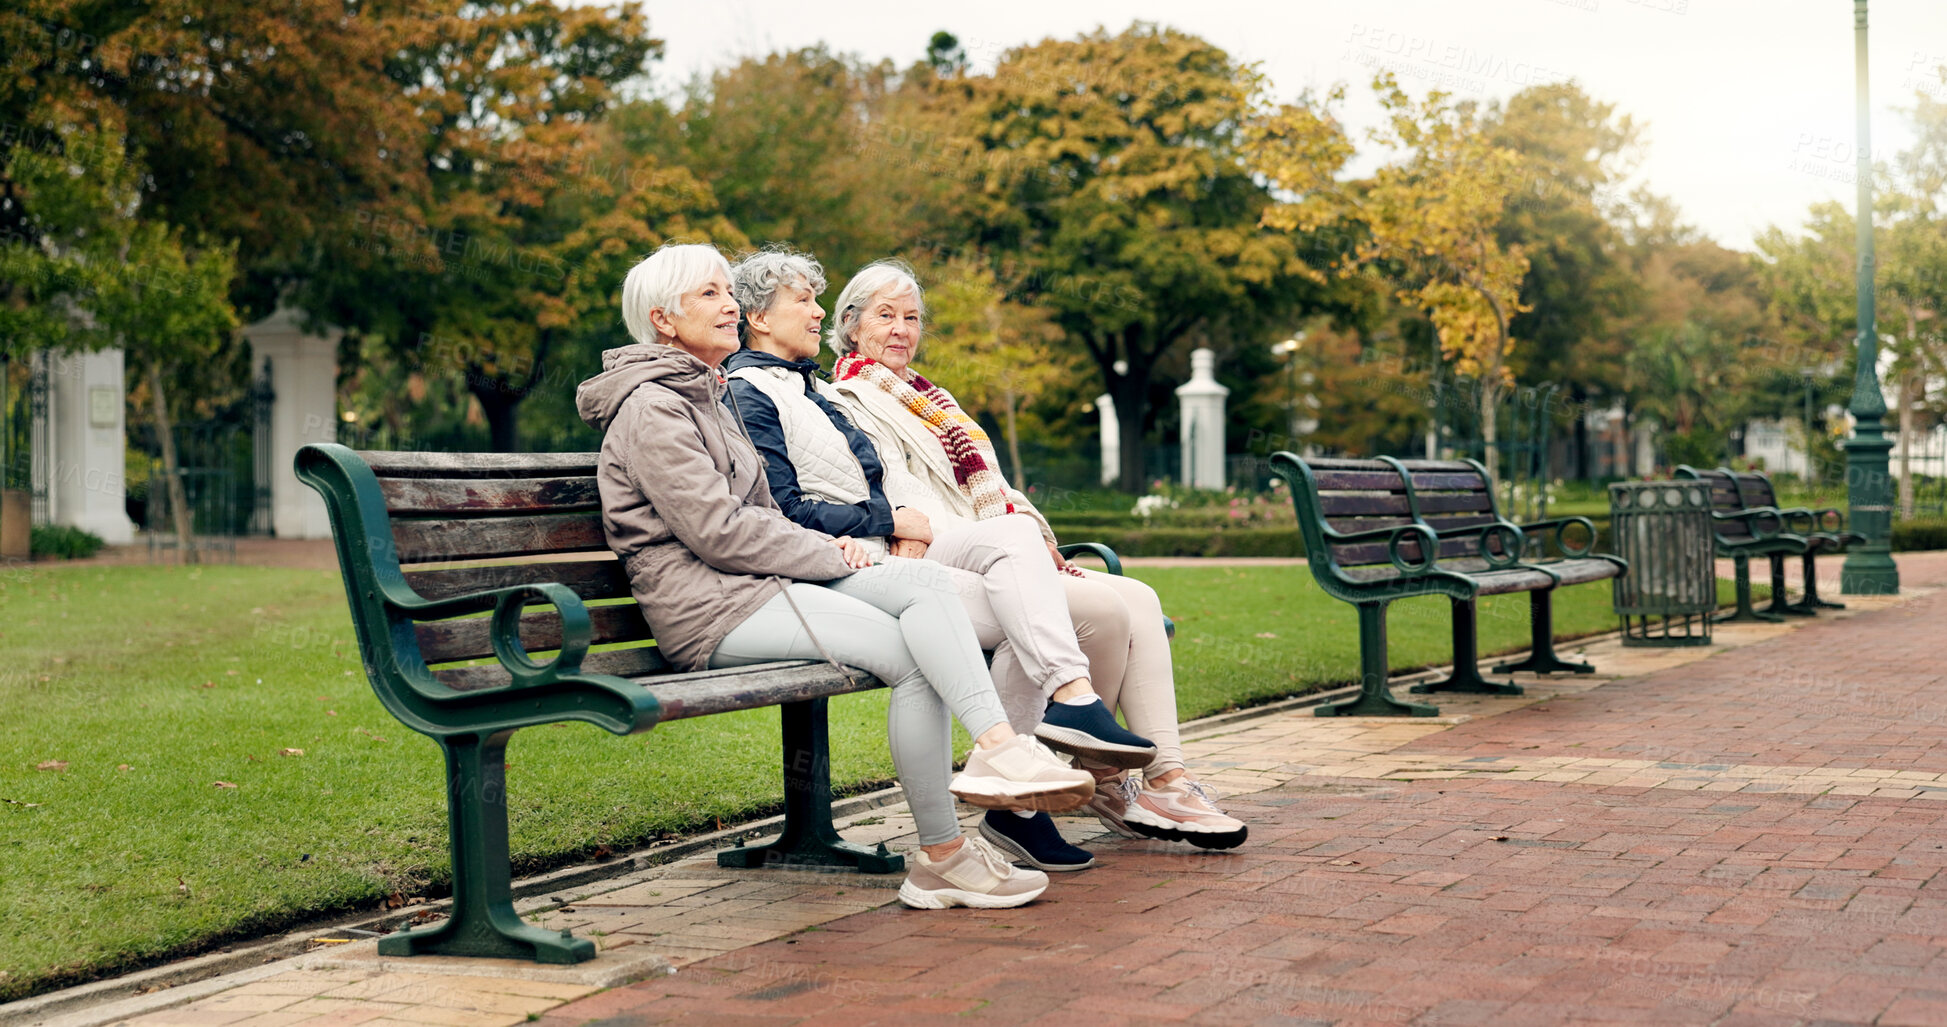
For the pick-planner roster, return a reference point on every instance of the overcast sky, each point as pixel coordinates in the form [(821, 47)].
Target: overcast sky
[(1748, 104)]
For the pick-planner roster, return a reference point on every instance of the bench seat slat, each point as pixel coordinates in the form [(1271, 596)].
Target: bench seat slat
[(597, 577), (470, 638), (425, 541), (488, 497), (700, 695), (414, 464)]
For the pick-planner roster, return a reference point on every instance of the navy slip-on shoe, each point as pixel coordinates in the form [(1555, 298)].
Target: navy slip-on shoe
[(1091, 730), (1033, 840)]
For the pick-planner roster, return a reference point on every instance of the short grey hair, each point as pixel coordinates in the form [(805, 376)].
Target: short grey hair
[(872, 279), (758, 278), (659, 281)]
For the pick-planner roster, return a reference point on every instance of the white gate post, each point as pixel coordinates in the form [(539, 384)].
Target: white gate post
[(1202, 430)]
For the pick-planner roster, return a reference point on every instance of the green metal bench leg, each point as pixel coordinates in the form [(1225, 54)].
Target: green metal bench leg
[(1781, 603), (1466, 676), (1744, 611), (483, 921), (1811, 600), (1541, 642), (1374, 699), (809, 839)]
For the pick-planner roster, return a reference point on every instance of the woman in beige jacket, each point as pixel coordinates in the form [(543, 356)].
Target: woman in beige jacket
[(936, 458), (724, 580)]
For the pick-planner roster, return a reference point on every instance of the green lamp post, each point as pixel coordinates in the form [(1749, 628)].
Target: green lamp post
[(1869, 568)]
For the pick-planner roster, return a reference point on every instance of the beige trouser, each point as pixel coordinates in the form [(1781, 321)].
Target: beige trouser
[(1119, 622), (1013, 596)]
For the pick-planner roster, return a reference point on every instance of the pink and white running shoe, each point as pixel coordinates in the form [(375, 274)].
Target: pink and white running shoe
[(1181, 811)]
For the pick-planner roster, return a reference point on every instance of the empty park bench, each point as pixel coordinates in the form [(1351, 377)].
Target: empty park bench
[(1744, 507), (442, 555), (1381, 530)]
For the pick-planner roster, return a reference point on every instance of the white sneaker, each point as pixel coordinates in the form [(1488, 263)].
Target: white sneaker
[(974, 876), (1021, 773)]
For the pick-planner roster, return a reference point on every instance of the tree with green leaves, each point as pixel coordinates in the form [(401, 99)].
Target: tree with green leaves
[(1108, 186), (92, 271), (535, 207)]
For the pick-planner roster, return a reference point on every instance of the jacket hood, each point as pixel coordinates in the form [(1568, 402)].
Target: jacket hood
[(758, 358), (626, 368)]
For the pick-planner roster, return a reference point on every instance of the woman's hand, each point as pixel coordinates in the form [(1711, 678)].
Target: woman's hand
[(1063, 565), (910, 523), (910, 548), (855, 555)]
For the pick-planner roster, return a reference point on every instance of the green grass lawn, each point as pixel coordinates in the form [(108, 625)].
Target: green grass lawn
[(169, 707)]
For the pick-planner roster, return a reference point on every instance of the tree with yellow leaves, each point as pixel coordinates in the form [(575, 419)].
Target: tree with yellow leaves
[(1428, 218)]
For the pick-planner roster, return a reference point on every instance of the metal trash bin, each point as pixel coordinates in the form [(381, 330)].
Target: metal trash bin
[(1663, 529)]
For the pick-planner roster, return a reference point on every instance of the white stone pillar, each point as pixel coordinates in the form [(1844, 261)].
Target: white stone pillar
[(87, 444), (1201, 400), (304, 380), (1111, 440)]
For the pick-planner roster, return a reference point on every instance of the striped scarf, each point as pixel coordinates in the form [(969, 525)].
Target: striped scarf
[(965, 442)]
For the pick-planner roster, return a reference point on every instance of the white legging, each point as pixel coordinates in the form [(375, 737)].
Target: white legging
[(901, 621)]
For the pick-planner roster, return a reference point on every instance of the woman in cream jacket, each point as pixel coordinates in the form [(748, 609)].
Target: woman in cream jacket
[(937, 459)]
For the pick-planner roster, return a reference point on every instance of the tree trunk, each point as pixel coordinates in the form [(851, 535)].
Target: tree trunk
[(1909, 398), (1008, 402), (171, 474), (500, 404), (1131, 392), (1490, 394)]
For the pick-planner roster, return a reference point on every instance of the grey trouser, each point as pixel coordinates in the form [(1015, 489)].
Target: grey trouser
[(901, 621), (1015, 598)]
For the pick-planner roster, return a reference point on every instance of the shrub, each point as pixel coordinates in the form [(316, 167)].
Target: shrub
[(63, 541), (1909, 536)]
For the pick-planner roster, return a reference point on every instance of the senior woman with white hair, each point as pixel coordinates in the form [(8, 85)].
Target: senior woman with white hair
[(723, 579), (825, 475), (938, 459)]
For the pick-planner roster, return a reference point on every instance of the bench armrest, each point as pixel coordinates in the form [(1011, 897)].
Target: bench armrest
[(1096, 549), (1428, 539), (1517, 542), (1749, 515), (1561, 526), (507, 605)]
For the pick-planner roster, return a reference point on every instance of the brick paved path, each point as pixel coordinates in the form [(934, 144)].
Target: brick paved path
[(1755, 838)]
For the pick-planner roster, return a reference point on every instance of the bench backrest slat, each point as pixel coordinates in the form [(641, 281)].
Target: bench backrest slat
[(507, 506), (596, 577), (444, 641), (488, 497), (412, 464), (472, 538), (1755, 489), (626, 663)]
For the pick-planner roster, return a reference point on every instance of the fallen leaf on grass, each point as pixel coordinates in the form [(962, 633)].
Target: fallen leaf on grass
[(121, 766), (290, 752), (232, 673), (1267, 634), (52, 765), (222, 784)]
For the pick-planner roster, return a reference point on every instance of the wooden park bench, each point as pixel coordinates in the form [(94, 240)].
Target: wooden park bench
[(425, 541), (1381, 530), (1750, 523)]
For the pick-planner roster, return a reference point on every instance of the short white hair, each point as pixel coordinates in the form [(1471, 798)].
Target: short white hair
[(659, 281), (879, 276), (759, 277)]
